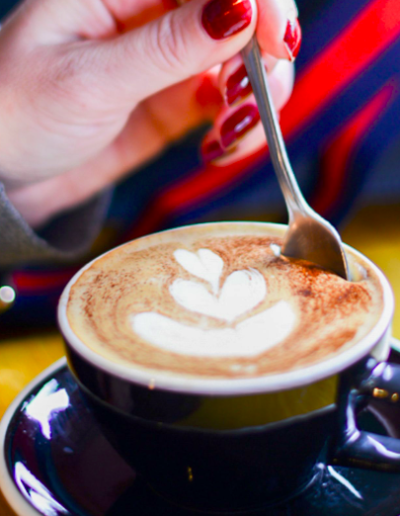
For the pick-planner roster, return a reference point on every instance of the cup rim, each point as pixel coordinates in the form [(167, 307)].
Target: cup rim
[(239, 386)]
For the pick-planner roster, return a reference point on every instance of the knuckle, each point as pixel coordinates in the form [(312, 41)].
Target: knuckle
[(60, 93), (72, 84), (171, 44), (67, 77)]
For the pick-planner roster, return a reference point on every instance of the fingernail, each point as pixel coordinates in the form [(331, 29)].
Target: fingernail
[(237, 86), (292, 38), (239, 124), (223, 18), (211, 150)]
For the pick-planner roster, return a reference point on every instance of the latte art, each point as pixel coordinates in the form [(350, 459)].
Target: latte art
[(241, 292), (204, 264), (218, 301)]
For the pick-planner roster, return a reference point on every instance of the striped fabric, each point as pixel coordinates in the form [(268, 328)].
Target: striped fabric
[(341, 120)]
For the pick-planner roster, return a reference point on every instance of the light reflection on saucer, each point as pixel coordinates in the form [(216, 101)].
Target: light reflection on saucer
[(47, 402), (36, 493)]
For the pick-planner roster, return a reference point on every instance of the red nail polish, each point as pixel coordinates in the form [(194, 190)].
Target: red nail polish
[(238, 124), (211, 150), (292, 38), (223, 18), (237, 86)]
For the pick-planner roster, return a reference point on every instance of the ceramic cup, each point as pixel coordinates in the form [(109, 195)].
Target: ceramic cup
[(223, 445)]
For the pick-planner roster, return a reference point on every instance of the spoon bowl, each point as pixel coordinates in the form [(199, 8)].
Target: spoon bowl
[(312, 238)]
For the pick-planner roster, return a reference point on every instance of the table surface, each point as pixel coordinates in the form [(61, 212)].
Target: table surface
[(373, 231)]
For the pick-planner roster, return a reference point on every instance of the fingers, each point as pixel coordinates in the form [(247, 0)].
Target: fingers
[(237, 130), (278, 30), (130, 14), (246, 146), (182, 43), (233, 81), (47, 22), (124, 70), (199, 35)]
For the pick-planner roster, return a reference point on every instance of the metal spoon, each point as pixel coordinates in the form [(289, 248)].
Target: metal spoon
[(309, 237)]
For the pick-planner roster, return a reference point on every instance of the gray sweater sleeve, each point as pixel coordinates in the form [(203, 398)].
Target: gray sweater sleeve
[(65, 239)]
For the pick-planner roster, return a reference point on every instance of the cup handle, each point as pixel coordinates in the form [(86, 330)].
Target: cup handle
[(356, 448)]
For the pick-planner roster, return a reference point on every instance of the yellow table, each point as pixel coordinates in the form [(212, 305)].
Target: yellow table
[(374, 231)]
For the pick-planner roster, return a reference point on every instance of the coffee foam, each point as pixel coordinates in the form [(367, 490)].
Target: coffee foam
[(218, 302), (246, 339)]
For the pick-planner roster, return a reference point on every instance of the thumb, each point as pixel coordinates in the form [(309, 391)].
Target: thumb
[(172, 48)]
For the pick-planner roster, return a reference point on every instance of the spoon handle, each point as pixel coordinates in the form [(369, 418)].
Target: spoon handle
[(280, 160)]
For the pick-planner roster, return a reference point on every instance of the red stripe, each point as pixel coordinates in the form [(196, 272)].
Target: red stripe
[(35, 281), (369, 34), (337, 157), (365, 38)]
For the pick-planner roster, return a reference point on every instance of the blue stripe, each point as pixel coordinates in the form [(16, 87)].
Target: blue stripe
[(323, 23), (376, 142)]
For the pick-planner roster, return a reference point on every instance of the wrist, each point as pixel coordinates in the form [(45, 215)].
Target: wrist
[(39, 202)]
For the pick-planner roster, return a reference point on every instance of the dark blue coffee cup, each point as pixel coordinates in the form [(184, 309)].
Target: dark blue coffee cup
[(227, 445)]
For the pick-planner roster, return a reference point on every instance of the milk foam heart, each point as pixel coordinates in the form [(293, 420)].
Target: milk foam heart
[(204, 264), (242, 291)]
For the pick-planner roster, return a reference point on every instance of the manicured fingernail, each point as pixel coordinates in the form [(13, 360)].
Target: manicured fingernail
[(224, 18), (292, 38), (237, 86), (238, 124), (211, 150)]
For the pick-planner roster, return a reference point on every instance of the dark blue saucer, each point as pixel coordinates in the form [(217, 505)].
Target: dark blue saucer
[(56, 462)]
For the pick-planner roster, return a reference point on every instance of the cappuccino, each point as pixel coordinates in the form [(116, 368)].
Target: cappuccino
[(219, 301)]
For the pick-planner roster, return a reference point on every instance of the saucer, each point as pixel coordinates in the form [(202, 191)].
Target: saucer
[(56, 462)]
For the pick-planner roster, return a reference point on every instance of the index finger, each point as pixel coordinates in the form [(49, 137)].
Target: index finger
[(278, 29)]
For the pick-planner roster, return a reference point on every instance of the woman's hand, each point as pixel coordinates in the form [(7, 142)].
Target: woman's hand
[(91, 89)]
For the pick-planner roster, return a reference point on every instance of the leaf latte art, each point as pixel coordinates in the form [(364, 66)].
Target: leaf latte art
[(218, 301)]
